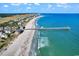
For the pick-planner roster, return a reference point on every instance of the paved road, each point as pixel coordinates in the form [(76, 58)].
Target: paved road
[(22, 44)]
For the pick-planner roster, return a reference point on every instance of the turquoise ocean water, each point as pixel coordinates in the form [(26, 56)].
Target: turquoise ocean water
[(59, 42)]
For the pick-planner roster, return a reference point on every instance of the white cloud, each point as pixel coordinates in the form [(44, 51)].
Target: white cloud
[(6, 6), (15, 4), (36, 3), (28, 8), (40, 1), (49, 5), (59, 5), (29, 4), (63, 5), (25, 3)]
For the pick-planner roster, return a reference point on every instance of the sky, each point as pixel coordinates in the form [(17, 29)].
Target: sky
[(39, 7)]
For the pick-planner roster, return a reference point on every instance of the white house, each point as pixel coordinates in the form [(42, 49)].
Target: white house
[(7, 30), (3, 35)]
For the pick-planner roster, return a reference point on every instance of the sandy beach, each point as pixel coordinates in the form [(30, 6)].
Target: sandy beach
[(22, 44)]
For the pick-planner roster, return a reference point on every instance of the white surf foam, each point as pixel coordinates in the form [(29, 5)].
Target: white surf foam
[(42, 42)]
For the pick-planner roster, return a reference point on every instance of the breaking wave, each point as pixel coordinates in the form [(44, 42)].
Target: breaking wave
[(42, 42)]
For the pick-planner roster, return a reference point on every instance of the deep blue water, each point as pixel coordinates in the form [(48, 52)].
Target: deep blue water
[(60, 42)]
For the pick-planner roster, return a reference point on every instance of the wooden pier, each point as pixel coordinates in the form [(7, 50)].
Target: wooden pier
[(54, 28)]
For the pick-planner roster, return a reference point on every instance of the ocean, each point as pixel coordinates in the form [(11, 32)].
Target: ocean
[(58, 42)]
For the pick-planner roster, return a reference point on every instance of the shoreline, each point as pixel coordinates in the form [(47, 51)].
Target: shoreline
[(15, 48)]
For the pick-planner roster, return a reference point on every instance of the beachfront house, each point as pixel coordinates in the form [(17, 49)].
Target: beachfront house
[(7, 29), (3, 32), (19, 23), (3, 35)]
